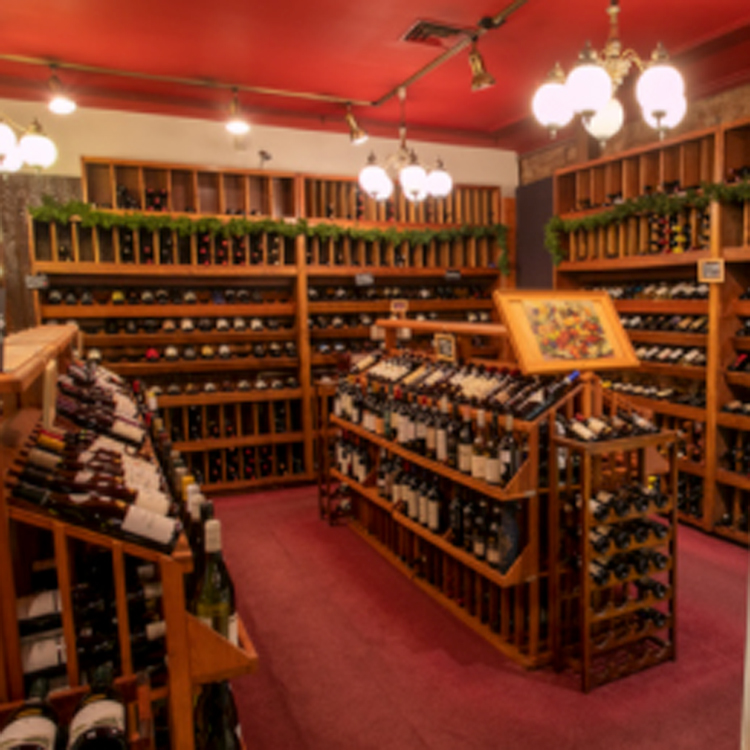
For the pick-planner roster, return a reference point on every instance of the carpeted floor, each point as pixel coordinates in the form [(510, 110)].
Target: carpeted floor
[(353, 656)]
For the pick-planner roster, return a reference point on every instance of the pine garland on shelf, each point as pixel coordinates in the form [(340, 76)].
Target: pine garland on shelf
[(63, 213), (659, 204)]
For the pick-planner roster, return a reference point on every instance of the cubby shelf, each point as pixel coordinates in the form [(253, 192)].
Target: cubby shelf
[(662, 306), (635, 263), (331, 307), (212, 444), (203, 365), (166, 401), (410, 272), (667, 407), (198, 310), (165, 271)]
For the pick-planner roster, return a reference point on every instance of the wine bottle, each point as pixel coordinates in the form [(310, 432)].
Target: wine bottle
[(216, 720), (492, 464), (33, 726), (478, 457), (100, 719), (214, 602), (465, 443)]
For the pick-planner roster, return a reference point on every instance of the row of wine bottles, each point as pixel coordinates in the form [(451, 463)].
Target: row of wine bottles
[(695, 395), (656, 290), (672, 323), (672, 355)]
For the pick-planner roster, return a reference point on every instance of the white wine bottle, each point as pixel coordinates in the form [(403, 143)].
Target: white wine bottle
[(214, 594), (100, 720), (33, 726)]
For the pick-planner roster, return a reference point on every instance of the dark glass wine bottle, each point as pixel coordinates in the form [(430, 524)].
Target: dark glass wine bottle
[(33, 726), (100, 720)]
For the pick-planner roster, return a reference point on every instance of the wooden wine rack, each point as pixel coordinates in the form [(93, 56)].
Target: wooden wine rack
[(616, 254), (196, 653), (593, 626), (77, 256)]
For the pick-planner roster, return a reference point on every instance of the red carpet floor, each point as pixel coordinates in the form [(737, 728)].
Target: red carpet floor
[(353, 656)]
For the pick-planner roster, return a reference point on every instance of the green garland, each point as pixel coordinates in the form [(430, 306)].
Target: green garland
[(63, 213), (659, 204)]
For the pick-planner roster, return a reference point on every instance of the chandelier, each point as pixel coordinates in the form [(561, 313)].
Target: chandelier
[(589, 89), (30, 146), (416, 183)]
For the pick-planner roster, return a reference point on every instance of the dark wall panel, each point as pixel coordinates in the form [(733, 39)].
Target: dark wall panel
[(533, 210), (18, 191)]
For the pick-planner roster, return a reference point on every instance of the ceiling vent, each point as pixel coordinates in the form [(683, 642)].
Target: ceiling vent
[(432, 33)]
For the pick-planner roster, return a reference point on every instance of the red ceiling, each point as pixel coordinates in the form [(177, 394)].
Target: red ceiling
[(353, 50)]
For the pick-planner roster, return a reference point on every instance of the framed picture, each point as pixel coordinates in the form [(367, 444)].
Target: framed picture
[(445, 347), (711, 271), (560, 331)]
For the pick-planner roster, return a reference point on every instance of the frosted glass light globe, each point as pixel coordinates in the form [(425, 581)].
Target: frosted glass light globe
[(375, 182), (61, 105), (551, 106), (413, 179), (658, 85), (439, 183), (237, 126), (607, 121), (7, 138), (37, 150), (12, 162), (589, 88), (674, 110)]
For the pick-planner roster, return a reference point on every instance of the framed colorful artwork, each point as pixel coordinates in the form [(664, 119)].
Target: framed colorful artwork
[(559, 331)]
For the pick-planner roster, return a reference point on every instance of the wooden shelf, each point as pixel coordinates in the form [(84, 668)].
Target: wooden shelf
[(356, 332), (738, 378), (667, 407), (691, 467), (27, 353), (741, 537), (137, 271), (618, 445), (612, 612), (736, 254), (238, 441), (671, 338), (663, 306), (166, 401), (733, 421), (489, 490), (674, 371), (179, 338), (635, 262), (437, 272), (202, 365), (741, 307), (732, 478), (332, 307), (198, 310), (259, 483)]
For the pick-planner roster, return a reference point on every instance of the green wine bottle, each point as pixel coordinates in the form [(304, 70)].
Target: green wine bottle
[(216, 723), (214, 594)]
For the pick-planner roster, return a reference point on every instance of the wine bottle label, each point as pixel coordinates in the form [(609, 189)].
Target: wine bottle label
[(478, 467), (233, 630), (464, 458), (42, 653), (79, 497), (596, 425), (83, 477), (493, 555), (581, 431), (39, 605), (433, 515), (101, 713), (337, 406), (492, 470), (431, 439), (396, 493), (152, 590), (149, 525), (43, 459), (479, 548), (504, 458), (441, 445), (156, 630), (423, 513), (421, 431), (29, 731), (128, 432), (156, 502), (413, 503)]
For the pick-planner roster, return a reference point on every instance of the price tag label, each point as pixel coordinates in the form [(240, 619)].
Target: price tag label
[(445, 347), (37, 281), (453, 274), (711, 271), (400, 307), (377, 333), (364, 279)]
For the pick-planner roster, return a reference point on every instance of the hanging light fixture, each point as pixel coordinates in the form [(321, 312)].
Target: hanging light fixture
[(12, 161), (480, 78), (590, 88), (356, 134), (8, 140), (36, 149), (60, 103), (416, 183), (236, 124)]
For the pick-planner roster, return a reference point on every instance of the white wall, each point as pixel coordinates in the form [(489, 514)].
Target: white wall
[(126, 135)]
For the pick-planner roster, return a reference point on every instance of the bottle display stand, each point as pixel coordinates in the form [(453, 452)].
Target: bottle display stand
[(348, 240), (609, 629), (196, 653), (662, 245)]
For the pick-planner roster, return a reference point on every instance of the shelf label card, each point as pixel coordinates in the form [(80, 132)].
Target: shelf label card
[(400, 307), (445, 347), (453, 274), (711, 271), (364, 279), (37, 281)]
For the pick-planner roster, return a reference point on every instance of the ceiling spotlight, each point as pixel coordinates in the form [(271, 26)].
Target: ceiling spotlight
[(356, 134), (480, 78), (236, 124), (60, 103), (37, 150)]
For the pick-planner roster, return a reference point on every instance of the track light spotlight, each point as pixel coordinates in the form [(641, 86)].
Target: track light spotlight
[(236, 124), (356, 134), (60, 103), (480, 78)]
